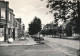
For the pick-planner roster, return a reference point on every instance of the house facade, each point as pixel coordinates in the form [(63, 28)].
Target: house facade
[(9, 25), (4, 10), (19, 28)]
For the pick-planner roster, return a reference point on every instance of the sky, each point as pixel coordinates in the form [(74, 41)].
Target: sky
[(28, 9)]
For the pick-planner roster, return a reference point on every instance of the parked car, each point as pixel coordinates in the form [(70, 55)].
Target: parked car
[(22, 38), (39, 39)]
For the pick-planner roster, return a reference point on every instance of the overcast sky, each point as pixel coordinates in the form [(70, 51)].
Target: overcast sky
[(28, 9)]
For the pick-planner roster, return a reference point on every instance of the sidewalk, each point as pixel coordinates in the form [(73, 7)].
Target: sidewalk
[(28, 41)]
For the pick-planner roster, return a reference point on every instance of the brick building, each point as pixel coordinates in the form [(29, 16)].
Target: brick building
[(9, 25), (4, 9)]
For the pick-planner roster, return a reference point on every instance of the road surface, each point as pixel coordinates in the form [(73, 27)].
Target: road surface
[(50, 48), (69, 47), (34, 50)]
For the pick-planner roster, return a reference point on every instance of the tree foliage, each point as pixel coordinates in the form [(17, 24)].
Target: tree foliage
[(68, 29), (35, 26), (50, 29), (66, 10)]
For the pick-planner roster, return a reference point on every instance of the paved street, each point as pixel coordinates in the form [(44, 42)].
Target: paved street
[(66, 42), (34, 50), (68, 47), (50, 48)]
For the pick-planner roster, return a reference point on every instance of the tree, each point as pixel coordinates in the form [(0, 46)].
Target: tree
[(35, 26), (50, 29), (66, 10), (60, 29), (68, 29)]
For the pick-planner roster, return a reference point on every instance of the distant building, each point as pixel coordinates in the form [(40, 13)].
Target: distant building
[(20, 28), (23, 29), (16, 28)]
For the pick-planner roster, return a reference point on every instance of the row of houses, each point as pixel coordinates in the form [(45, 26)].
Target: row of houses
[(9, 25)]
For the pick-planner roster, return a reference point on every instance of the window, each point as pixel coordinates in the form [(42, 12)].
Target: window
[(2, 13), (9, 16)]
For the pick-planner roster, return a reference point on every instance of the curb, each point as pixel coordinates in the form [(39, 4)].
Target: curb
[(6, 45)]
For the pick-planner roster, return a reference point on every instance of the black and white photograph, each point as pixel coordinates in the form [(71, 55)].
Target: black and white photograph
[(39, 27)]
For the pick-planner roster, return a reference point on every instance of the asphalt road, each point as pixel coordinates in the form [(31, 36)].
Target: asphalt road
[(62, 45), (50, 48), (34, 50)]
